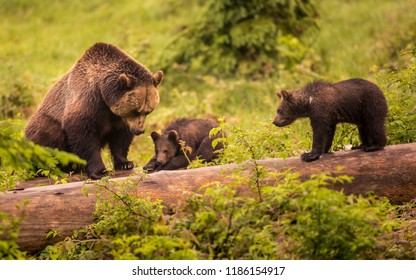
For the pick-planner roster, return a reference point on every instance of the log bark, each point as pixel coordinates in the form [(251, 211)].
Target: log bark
[(64, 208)]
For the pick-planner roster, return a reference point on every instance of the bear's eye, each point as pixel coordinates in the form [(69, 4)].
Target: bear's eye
[(136, 114), (165, 152), (279, 111)]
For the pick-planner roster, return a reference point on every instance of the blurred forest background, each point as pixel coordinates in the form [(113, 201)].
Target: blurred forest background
[(222, 59)]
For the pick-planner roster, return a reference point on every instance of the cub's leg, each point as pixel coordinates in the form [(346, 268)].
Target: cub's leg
[(151, 165), (205, 151), (376, 137), (330, 139), (321, 135), (177, 162)]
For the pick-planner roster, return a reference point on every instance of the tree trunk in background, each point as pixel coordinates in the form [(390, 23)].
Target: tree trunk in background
[(64, 208)]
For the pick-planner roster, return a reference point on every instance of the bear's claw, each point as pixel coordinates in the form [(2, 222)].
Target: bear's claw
[(126, 165)]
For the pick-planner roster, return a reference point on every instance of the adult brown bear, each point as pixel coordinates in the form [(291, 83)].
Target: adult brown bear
[(102, 100), (355, 101)]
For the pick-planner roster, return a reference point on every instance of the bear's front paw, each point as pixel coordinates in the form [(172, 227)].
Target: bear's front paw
[(310, 157), (124, 165), (99, 174)]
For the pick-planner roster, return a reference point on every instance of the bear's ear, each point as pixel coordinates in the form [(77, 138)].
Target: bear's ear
[(154, 136), (157, 78), (285, 95), (173, 136), (125, 80)]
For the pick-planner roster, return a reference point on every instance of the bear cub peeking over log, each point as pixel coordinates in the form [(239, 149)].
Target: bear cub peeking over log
[(182, 141), (102, 100), (355, 101)]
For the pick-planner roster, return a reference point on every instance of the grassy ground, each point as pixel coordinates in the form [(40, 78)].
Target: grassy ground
[(40, 41), (356, 36)]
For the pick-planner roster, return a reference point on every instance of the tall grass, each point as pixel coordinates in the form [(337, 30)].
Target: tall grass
[(355, 36)]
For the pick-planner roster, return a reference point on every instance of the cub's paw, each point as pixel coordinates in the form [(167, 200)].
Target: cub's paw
[(124, 165), (359, 147), (310, 157), (373, 148), (150, 167)]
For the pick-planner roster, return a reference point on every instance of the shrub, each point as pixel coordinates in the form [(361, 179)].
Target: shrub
[(20, 158), (400, 88), (243, 36)]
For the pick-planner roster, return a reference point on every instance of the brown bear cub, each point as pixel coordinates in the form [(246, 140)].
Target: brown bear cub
[(197, 143), (355, 101), (102, 100)]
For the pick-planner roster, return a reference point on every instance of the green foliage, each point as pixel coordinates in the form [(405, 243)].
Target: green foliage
[(243, 36), (128, 227), (294, 220), (258, 139), (9, 232), (20, 158), (400, 89), (401, 243)]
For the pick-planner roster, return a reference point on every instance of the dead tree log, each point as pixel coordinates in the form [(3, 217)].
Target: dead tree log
[(64, 208)]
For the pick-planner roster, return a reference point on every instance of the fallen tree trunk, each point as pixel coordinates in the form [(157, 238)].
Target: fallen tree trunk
[(64, 208)]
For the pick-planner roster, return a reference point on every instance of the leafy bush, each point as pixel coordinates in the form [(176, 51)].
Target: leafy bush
[(294, 220), (20, 158), (9, 232), (243, 36), (400, 89), (260, 140), (128, 227)]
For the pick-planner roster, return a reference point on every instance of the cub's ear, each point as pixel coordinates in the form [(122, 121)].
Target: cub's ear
[(154, 136), (285, 95), (173, 136), (157, 78), (125, 80)]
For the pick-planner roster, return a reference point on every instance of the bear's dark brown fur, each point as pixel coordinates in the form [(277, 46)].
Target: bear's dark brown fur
[(103, 99), (169, 154), (355, 101)]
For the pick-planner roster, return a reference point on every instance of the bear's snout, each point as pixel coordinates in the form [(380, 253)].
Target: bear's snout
[(278, 121), (137, 131)]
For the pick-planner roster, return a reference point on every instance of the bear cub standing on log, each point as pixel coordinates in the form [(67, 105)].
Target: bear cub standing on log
[(195, 136), (103, 99), (355, 101)]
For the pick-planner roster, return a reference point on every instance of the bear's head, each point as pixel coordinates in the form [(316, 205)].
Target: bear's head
[(292, 106), (166, 146), (138, 98)]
